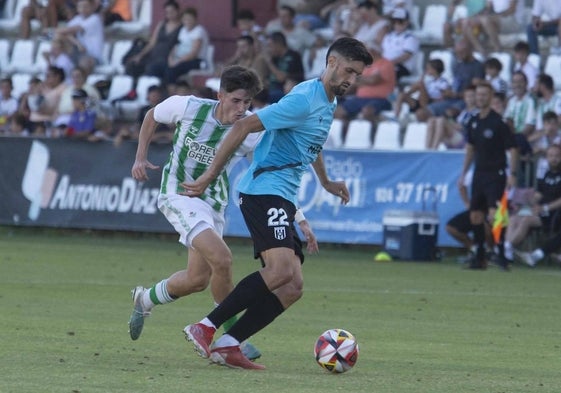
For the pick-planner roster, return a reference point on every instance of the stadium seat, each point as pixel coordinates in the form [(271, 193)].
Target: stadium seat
[(141, 19), (387, 136), (207, 67), (358, 135), (115, 64), (21, 84), (506, 60), (129, 109), (317, 65), (417, 71), (553, 68), (415, 136), (335, 137), (447, 58), (40, 64), (4, 55), (11, 21), (23, 52), (433, 22), (120, 86), (535, 60)]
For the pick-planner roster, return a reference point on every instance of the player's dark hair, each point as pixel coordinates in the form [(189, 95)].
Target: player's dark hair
[(493, 63), (351, 49), (237, 77), (546, 80)]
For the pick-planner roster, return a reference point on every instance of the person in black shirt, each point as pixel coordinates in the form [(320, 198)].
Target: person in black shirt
[(488, 139)]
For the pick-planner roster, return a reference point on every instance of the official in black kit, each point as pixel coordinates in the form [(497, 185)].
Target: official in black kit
[(488, 140)]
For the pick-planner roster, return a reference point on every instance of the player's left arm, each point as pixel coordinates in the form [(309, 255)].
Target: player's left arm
[(338, 188), (240, 130)]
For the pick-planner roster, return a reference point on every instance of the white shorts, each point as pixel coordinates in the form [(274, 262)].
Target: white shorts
[(190, 216)]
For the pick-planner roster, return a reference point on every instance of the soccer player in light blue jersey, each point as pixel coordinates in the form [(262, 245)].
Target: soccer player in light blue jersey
[(295, 130)]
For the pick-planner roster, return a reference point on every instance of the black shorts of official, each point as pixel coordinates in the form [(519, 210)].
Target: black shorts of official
[(270, 221), (487, 189), (461, 222)]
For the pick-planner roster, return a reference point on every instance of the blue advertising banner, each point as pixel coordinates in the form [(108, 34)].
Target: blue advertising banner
[(76, 184)]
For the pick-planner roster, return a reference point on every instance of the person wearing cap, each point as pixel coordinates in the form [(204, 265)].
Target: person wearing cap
[(82, 120), (373, 89), (400, 44)]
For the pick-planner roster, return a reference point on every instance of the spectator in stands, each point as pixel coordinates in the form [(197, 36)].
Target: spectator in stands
[(499, 17), (51, 90), (373, 88), (86, 35), (152, 59), (190, 50), (541, 207), (451, 132), (390, 5), (31, 100), (520, 113), (114, 11), (8, 104), (454, 26), (48, 13), (522, 63), (297, 37), (431, 87), (549, 134), (308, 12), (281, 62), (546, 27), (548, 248), (548, 100), (466, 70), (246, 24), (82, 120), (247, 55), (374, 26), (163, 132), (17, 126), (498, 103), (57, 56), (493, 68), (342, 17), (400, 45)]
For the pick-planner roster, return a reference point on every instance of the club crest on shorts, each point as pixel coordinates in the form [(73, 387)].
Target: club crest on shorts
[(280, 233)]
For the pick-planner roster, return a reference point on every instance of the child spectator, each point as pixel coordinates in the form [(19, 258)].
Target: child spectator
[(17, 126), (8, 104), (82, 121), (498, 103), (59, 57), (493, 68), (522, 63), (431, 87), (541, 140)]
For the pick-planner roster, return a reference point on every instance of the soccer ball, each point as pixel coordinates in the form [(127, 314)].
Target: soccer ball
[(336, 350)]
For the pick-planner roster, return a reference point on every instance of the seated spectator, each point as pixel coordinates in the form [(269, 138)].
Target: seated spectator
[(82, 120), (8, 104), (541, 207), (520, 113), (498, 103), (163, 133), (281, 62), (85, 34), (499, 17), (548, 248), (545, 27), (390, 5), (189, 51), (493, 68), (113, 11), (453, 27), (50, 91), (373, 88), (548, 135), (466, 70), (247, 55), (548, 99), (451, 132), (297, 37), (342, 16), (374, 26), (17, 126), (522, 63), (30, 100), (400, 45), (431, 87), (246, 24), (58, 56), (48, 13)]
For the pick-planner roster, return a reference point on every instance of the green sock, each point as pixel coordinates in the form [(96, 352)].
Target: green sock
[(229, 323)]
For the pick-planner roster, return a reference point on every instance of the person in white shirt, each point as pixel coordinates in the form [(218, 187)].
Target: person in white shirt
[(8, 104), (400, 45), (374, 26), (546, 21)]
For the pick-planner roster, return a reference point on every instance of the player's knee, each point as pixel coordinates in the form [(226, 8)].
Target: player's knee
[(222, 264)]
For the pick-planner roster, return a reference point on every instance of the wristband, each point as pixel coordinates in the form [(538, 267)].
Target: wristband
[(299, 216), (545, 209)]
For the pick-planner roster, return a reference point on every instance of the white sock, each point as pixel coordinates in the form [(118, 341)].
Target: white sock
[(158, 294), (205, 321), (226, 341), (508, 251), (537, 255)]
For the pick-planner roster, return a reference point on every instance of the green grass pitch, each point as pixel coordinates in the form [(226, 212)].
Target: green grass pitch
[(421, 327)]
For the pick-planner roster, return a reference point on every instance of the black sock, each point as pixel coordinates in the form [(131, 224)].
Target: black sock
[(479, 240), (248, 290), (257, 316)]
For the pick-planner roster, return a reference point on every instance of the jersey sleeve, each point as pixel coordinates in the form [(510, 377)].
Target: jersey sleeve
[(289, 112), (171, 110)]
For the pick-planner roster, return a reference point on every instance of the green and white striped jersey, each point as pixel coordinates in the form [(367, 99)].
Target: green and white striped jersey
[(197, 136)]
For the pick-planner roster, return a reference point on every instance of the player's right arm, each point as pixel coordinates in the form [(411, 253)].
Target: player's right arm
[(141, 162)]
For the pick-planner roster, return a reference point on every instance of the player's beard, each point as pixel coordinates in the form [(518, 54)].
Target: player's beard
[(338, 88)]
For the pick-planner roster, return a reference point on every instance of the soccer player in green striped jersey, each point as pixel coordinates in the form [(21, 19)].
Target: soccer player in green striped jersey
[(200, 126)]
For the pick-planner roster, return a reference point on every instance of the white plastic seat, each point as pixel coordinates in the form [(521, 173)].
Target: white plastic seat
[(4, 54), (40, 64), (416, 72), (120, 86), (335, 137), (415, 136), (207, 66), (433, 22), (20, 81), (115, 65), (387, 136), (12, 20), (141, 19), (553, 68), (23, 52), (358, 135), (129, 109), (316, 67)]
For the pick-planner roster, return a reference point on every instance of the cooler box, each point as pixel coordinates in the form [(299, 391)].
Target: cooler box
[(411, 235)]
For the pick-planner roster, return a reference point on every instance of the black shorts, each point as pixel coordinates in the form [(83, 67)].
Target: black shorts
[(487, 189), (270, 220), (461, 222)]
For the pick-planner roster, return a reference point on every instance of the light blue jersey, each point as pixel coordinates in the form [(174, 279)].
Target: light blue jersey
[(295, 130)]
